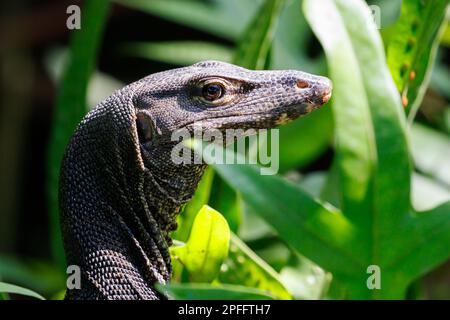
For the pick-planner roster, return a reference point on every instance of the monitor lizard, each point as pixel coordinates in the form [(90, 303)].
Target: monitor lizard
[(119, 190)]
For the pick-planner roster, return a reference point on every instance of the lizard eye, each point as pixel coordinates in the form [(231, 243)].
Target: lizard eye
[(212, 91)]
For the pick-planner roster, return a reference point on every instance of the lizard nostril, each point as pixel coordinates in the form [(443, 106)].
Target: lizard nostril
[(302, 84)]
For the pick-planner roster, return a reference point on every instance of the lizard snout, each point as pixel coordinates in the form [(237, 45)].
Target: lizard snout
[(322, 91), (318, 89)]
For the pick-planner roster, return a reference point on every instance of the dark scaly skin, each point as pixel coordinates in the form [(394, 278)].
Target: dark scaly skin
[(119, 190)]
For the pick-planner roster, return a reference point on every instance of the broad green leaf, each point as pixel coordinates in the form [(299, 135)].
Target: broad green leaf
[(200, 291), (423, 243), (225, 18), (245, 268), (354, 150), (309, 226), (254, 46), (370, 162), (412, 48), (364, 55), (71, 103), (10, 288), (400, 242), (190, 211), (180, 52), (207, 247), (314, 228)]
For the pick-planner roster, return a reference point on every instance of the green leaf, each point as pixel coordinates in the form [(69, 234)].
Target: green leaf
[(325, 233), (180, 52), (194, 291), (371, 157), (207, 247), (354, 150), (254, 46), (71, 103), (225, 18), (10, 288), (244, 267), (399, 241), (413, 46), (363, 58), (423, 243), (376, 226)]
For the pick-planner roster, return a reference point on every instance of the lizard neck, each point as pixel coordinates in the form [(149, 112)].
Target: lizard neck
[(118, 206)]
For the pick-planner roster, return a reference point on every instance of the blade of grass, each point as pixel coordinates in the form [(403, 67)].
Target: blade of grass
[(10, 288)]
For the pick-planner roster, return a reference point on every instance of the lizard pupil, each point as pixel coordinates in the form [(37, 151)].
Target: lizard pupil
[(212, 91)]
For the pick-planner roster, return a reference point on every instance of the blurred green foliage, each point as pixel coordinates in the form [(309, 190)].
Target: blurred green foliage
[(421, 22), (71, 104), (300, 236)]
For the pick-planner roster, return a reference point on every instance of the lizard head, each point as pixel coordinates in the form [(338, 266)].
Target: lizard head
[(218, 95), (215, 97)]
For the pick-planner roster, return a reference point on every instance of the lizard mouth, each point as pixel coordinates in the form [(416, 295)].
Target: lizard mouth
[(289, 113)]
